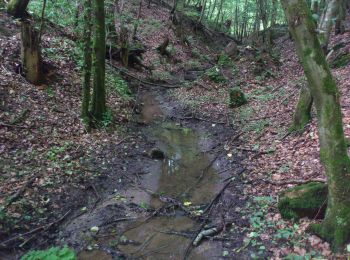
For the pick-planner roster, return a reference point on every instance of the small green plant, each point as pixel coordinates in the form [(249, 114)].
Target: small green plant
[(55, 151), (53, 253), (50, 92), (195, 53), (215, 75), (171, 49), (118, 85), (107, 118), (225, 60)]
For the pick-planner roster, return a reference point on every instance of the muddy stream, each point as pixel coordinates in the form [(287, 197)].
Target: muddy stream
[(187, 173)]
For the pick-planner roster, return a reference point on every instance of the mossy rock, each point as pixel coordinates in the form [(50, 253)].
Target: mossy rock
[(307, 200), (237, 97), (341, 60)]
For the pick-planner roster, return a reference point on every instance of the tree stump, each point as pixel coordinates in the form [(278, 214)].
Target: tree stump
[(30, 53), (124, 44)]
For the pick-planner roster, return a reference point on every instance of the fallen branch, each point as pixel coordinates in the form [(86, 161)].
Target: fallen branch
[(122, 71), (286, 182), (217, 196), (20, 191), (14, 126), (205, 233)]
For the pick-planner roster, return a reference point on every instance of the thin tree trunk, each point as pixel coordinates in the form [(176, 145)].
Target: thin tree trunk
[(87, 61), (333, 149), (340, 22), (99, 92), (136, 25)]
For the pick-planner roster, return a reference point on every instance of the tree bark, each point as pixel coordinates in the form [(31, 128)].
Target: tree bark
[(17, 8), (99, 92), (30, 53), (302, 115), (87, 61), (333, 149)]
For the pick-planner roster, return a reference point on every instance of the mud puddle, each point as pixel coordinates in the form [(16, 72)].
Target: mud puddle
[(187, 174)]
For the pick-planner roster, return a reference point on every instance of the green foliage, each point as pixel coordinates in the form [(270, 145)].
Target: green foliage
[(107, 118), (215, 75), (56, 151), (171, 49), (193, 65), (118, 85), (61, 12), (225, 61), (53, 253), (160, 76), (150, 26), (237, 97)]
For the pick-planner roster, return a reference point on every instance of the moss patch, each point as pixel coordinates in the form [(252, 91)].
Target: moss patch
[(237, 97), (308, 200)]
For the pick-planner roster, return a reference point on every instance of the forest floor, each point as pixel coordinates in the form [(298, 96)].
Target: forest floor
[(61, 185)]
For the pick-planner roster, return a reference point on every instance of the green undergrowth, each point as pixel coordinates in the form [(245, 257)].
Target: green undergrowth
[(53, 253), (61, 12), (215, 75), (281, 233), (115, 83)]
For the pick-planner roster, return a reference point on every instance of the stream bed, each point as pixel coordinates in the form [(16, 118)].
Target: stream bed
[(151, 208), (187, 174)]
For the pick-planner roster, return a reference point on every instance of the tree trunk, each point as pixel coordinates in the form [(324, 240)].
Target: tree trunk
[(136, 25), (340, 22), (326, 22), (87, 61), (30, 53), (333, 149), (99, 92), (17, 8), (302, 115)]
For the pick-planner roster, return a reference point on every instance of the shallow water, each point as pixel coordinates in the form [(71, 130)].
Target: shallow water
[(186, 174)]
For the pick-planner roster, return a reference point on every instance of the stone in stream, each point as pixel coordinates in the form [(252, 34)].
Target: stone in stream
[(157, 154), (307, 200)]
